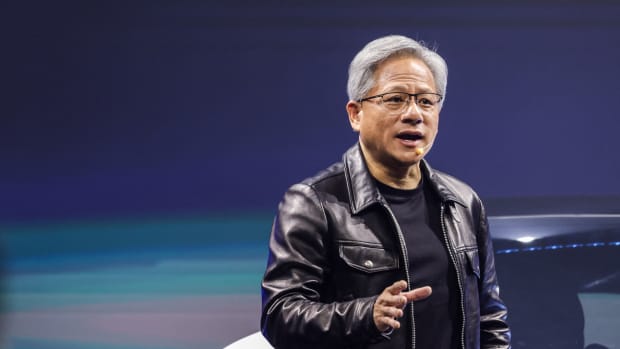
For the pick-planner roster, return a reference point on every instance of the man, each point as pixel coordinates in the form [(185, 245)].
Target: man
[(380, 250)]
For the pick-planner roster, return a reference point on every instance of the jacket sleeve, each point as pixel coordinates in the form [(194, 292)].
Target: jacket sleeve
[(294, 306), (494, 330)]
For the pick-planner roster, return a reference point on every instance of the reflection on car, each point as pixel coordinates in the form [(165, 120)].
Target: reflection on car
[(559, 271)]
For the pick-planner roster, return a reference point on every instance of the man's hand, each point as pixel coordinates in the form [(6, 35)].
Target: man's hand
[(390, 303)]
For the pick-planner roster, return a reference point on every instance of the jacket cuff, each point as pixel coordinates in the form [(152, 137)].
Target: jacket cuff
[(376, 336)]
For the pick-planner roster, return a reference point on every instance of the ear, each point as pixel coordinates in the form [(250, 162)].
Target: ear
[(354, 109)]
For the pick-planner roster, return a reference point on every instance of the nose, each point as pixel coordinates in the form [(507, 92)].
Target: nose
[(412, 114)]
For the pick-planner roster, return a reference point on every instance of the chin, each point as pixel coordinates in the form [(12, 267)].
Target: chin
[(406, 160)]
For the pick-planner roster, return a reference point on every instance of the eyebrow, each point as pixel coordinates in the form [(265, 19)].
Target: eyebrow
[(405, 88)]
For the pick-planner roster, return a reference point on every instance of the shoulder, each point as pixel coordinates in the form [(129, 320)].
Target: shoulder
[(328, 185), (451, 183), (304, 203), (452, 188), (328, 180), (331, 173)]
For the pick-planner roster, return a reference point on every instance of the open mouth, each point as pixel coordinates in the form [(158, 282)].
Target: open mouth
[(409, 136)]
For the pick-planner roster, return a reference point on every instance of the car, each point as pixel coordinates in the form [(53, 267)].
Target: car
[(558, 263)]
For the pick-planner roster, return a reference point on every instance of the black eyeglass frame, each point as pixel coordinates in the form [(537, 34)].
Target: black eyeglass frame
[(414, 95)]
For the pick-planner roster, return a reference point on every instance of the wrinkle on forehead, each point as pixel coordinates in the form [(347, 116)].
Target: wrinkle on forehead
[(404, 74)]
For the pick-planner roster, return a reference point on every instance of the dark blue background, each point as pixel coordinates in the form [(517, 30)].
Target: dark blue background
[(114, 108), (144, 145)]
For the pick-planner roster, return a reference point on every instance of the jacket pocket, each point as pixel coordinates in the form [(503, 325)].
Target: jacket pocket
[(369, 259), (473, 262)]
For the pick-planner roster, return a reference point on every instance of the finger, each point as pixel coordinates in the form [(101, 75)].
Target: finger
[(418, 293), (387, 299), (386, 322), (396, 287), (392, 312)]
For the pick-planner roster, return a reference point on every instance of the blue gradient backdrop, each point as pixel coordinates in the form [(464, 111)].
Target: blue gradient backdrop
[(145, 144)]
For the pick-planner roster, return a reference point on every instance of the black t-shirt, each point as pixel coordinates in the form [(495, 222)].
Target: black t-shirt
[(437, 319)]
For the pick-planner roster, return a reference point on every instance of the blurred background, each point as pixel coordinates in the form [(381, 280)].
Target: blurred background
[(145, 145)]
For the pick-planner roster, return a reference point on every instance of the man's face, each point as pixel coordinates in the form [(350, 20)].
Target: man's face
[(390, 138)]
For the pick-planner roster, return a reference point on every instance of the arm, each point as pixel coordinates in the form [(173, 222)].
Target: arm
[(294, 289), (494, 330)]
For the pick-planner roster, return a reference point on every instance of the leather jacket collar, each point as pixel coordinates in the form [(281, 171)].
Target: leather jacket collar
[(361, 187)]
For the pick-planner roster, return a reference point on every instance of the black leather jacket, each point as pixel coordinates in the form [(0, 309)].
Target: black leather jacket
[(335, 245)]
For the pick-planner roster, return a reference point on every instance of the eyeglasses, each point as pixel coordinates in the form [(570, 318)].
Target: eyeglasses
[(397, 102)]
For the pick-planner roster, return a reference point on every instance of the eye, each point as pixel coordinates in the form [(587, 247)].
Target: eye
[(427, 100), (395, 99)]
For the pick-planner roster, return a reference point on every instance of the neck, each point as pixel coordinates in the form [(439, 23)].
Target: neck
[(400, 177)]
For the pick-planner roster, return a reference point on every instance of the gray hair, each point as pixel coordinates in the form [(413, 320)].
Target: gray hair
[(363, 66)]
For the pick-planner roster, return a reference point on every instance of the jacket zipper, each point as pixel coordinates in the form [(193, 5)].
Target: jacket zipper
[(457, 270), (403, 250)]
